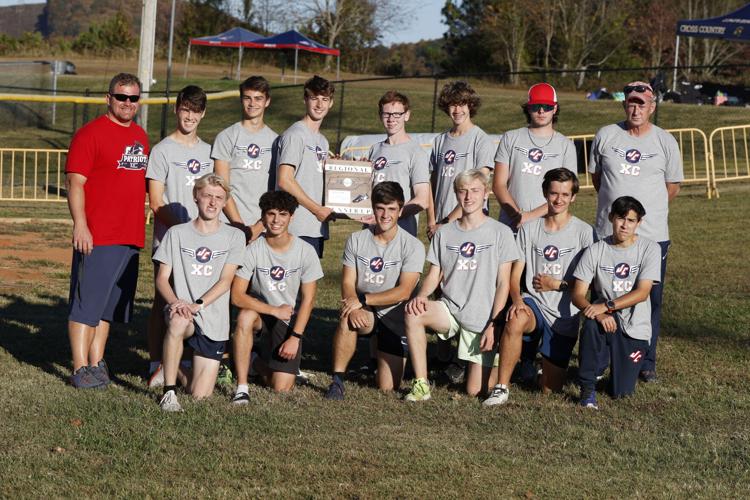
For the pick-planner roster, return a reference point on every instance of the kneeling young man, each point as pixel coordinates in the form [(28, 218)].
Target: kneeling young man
[(277, 267), (550, 248), (622, 267), (471, 261), (202, 257), (382, 265)]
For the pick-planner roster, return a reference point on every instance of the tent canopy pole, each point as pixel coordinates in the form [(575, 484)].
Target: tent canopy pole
[(676, 57)]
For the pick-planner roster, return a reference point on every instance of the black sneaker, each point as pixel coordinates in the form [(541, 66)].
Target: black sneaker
[(335, 392), (647, 376), (101, 372), (241, 398), (84, 379)]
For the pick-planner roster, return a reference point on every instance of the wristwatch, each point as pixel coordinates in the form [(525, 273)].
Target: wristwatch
[(563, 286), (200, 303), (610, 306)]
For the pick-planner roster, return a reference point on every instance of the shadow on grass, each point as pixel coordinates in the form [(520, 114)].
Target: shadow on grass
[(35, 333)]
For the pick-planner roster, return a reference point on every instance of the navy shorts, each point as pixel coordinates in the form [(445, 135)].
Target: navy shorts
[(389, 341), (556, 348), (102, 284), (273, 333), (206, 347), (317, 243)]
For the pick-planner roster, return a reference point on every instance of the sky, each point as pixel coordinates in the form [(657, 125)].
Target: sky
[(425, 23)]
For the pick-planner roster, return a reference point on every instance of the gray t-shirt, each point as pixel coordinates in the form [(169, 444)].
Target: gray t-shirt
[(529, 158), (252, 166), (379, 267), (407, 164), (616, 271), (177, 167), (639, 167), (197, 261), (276, 277), (556, 254), (470, 261), (450, 156), (306, 152)]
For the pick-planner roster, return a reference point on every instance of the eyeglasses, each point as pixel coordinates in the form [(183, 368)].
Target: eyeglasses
[(637, 88), (534, 108), (397, 115), (126, 97)]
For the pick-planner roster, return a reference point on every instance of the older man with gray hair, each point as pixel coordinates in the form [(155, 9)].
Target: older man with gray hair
[(636, 158)]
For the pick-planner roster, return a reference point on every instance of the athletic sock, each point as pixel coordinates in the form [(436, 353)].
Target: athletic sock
[(241, 388), (168, 388), (152, 366)]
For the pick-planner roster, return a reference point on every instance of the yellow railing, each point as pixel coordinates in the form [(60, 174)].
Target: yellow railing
[(39, 174), (32, 174)]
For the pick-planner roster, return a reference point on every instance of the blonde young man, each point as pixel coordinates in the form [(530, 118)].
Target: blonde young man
[(200, 257), (471, 261)]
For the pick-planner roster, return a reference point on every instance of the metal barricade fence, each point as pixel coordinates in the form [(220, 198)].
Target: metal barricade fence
[(729, 162), (32, 174), (39, 174)]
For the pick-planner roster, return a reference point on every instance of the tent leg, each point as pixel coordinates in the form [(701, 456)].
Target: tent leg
[(239, 64), (296, 53), (676, 58), (187, 61)]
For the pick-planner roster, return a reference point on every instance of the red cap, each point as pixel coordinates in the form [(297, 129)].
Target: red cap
[(542, 93), (646, 96)]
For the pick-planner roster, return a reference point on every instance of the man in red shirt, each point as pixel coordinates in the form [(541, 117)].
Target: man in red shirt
[(106, 183)]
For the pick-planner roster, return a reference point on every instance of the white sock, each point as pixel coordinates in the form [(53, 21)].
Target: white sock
[(241, 388), (153, 365)]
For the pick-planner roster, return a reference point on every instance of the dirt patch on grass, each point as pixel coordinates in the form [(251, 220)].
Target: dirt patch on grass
[(23, 257)]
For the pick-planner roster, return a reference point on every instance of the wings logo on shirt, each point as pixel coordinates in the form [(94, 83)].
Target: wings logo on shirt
[(621, 270), (551, 252), (377, 264), (253, 150), (468, 249), (632, 155), (192, 165), (451, 156), (203, 254), (535, 154), (320, 154), (277, 273)]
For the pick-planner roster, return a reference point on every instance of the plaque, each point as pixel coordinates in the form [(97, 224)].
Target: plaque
[(348, 184)]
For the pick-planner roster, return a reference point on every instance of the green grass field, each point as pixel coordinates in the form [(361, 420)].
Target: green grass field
[(686, 436)]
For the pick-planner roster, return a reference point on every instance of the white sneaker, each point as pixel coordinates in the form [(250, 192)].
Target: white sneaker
[(157, 378), (498, 396), (241, 398), (302, 378), (169, 402)]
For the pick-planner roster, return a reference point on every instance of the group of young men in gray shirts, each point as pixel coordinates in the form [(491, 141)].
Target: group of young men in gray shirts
[(244, 220)]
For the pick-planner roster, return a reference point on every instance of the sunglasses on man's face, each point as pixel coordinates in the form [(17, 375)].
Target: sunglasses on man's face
[(126, 97), (637, 88), (534, 108)]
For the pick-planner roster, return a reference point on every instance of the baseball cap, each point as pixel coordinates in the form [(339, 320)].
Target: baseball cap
[(542, 93), (638, 91)]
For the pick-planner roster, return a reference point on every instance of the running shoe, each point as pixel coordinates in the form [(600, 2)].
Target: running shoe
[(420, 391), (157, 378), (498, 396), (241, 398), (335, 391), (101, 372), (588, 399), (169, 402), (225, 377), (82, 378)]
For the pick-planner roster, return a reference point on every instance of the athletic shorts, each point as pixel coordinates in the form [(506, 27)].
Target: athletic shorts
[(317, 243), (206, 347), (273, 333), (102, 284), (389, 341), (556, 348), (468, 342)]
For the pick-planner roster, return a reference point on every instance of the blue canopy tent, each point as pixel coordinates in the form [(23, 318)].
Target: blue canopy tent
[(235, 38), (293, 39), (733, 27)]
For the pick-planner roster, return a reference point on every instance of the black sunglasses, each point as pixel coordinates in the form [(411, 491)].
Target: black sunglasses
[(126, 97), (637, 88), (534, 108)]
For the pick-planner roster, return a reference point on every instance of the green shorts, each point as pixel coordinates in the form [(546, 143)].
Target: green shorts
[(468, 343)]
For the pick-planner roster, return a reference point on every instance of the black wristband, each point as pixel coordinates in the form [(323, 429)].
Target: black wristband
[(362, 299), (295, 335)]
